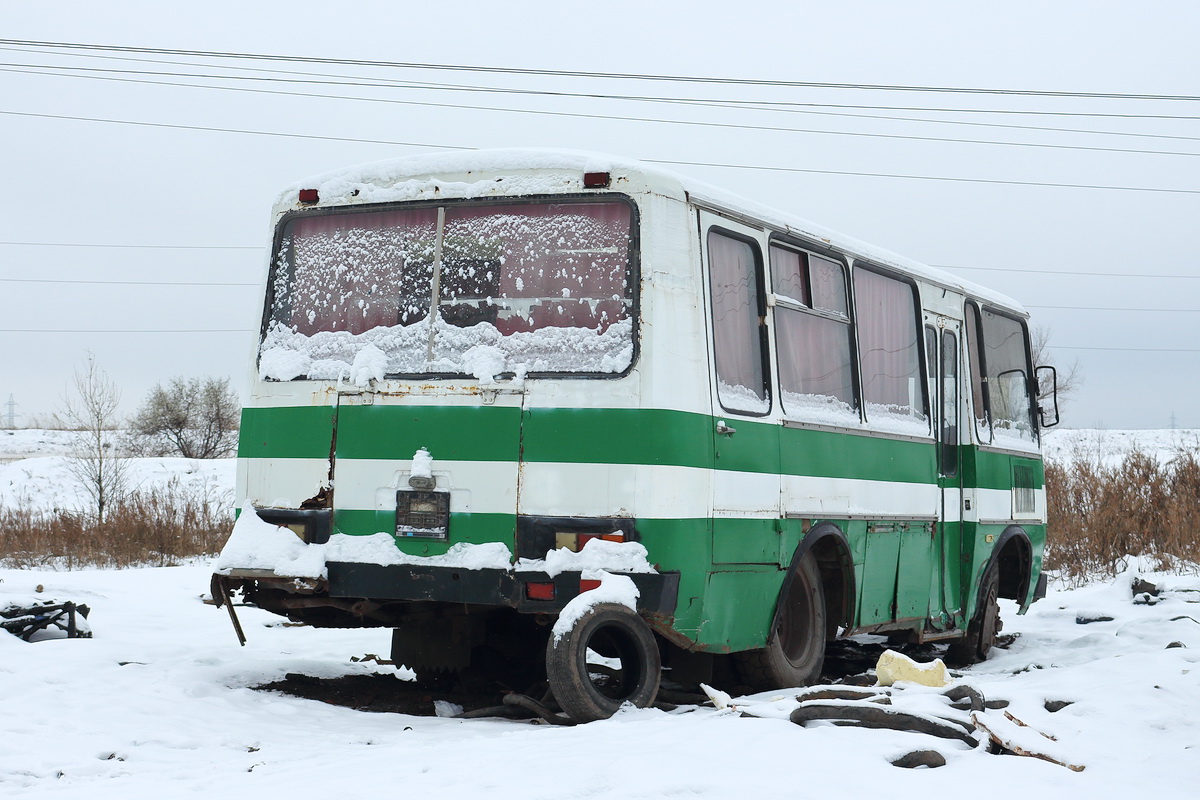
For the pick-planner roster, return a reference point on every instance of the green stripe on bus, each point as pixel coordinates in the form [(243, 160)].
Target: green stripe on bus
[(450, 433), (290, 432), (830, 454), (617, 436), (590, 436)]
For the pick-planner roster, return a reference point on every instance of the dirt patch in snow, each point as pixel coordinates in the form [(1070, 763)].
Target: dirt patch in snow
[(379, 693)]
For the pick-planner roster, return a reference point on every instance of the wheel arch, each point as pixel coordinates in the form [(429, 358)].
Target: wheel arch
[(1013, 558), (835, 565)]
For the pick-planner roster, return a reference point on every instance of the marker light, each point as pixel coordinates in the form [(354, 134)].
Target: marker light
[(539, 591), (596, 180), (309, 196)]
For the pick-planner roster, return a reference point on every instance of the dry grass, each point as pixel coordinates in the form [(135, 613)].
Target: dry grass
[(164, 527), (1099, 513)]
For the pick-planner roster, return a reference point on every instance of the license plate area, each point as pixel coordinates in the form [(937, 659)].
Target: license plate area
[(423, 515)]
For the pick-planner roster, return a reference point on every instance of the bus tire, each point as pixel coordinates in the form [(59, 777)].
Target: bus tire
[(612, 631), (984, 626), (795, 651)]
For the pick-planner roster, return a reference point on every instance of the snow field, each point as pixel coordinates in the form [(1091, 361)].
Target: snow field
[(159, 702)]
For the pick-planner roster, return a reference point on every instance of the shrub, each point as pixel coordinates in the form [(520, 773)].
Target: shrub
[(1100, 513), (191, 417), (164, 527)]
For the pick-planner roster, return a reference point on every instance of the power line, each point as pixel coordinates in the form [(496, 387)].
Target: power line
[(923, 177), (123, 283), (1127, 349), (249, 330), (760, 105), (648, 160), (207, 128), (145, 330), (1066, 272), (259, 248), (391, 83), (135, 246), (1120, 308), (581, 115), (603, 75)]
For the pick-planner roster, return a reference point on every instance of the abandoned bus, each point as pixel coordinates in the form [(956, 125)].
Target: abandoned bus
[(532, 410)]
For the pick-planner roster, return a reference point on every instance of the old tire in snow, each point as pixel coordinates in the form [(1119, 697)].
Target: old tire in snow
[(982, 630), (580, 665), (795, 650)]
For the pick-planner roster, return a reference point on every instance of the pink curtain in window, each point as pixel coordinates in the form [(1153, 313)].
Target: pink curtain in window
[(889, 344)]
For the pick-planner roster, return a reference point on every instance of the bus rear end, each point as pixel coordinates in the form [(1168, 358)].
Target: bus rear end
[(405, 348)]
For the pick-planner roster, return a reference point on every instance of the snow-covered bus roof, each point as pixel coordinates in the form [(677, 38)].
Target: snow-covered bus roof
[(528, 171)]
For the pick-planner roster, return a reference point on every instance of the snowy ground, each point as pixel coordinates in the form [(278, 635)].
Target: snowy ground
[(35, 473), (1110, 447), (159, 704), (32, 442)]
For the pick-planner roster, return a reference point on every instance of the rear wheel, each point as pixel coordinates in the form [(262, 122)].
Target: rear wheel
[(607, 658), (795, 650)]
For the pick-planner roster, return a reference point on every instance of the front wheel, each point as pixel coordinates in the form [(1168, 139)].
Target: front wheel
[(607, 658), (795, 651), (984, 626)]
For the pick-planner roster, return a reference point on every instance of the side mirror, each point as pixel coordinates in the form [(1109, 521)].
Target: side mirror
[(1047, 383)]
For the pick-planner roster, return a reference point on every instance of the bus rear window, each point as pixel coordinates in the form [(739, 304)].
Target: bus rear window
[(520, 288)]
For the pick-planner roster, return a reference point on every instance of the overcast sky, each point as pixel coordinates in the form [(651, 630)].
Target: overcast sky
[(99, 218)]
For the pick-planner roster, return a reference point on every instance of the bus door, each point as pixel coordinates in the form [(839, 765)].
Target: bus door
[(745, 447), (942, 344)]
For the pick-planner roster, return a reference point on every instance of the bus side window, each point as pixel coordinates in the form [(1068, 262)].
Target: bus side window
[(738, 316), (931, 363), (1006, 358), (949, 415), (978, 390), (889, 340), (812, 324)]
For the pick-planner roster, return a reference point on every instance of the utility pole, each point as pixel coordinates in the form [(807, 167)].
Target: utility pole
[(10, 415)]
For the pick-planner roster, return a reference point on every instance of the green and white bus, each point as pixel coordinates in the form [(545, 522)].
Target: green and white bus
[(492, 386)]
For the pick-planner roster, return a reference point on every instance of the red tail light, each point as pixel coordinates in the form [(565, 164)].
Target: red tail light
[(596, 180), (539, 591)]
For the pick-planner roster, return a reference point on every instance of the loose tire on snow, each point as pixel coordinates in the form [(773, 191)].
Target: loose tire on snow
[(588, 689), (795, 650), (982, 630)]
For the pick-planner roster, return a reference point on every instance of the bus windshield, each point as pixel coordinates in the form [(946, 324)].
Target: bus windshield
[(518, 288)]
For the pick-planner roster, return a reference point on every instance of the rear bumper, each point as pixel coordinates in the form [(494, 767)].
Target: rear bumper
[(366, 592)]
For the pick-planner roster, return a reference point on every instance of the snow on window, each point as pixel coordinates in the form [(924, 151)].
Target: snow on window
[(743, 398), (820, 409), (521, 288), (737, 324), (816, 369), (890, 353)]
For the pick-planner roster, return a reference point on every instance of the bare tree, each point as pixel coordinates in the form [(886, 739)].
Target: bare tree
[(91, 412), (191, 417), (1069, 376)]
